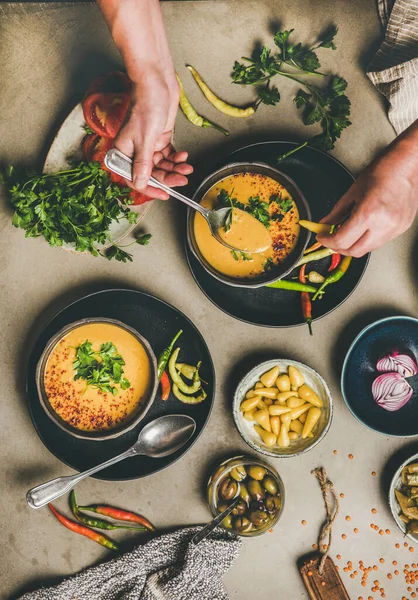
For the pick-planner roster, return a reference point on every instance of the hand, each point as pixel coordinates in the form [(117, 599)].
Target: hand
[(380, 205), (146, 136)]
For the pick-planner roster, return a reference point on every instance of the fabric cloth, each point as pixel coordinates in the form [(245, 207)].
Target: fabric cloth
[(394, 68), (168, 567)]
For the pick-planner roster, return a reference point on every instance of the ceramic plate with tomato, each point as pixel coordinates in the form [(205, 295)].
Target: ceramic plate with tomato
[(70, 145)]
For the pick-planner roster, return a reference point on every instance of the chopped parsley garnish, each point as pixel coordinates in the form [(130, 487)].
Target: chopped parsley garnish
[(255, 207), (100, 369), (269, 264), (237, 254)]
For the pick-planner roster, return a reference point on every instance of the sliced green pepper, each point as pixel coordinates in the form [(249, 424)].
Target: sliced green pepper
[(177, 379), (188, 399)]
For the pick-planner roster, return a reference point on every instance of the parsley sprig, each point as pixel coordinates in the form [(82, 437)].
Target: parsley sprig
[(327, 105), (100, 369), (256, 207), (74, 206)]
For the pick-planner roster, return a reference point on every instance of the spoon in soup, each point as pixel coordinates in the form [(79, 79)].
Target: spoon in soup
[(158, 439), (234, 228)]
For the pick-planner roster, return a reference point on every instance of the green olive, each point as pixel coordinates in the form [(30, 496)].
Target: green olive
[(270, 485), (272, 503), (243, 492), (227, 522), (258, 517), (227, 489), (238, 473), (255, 490), (240, 509), (242, 524), (256, 472)]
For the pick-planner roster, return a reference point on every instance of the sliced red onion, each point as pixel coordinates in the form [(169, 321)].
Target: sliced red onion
[(399, 363), (391, 391)]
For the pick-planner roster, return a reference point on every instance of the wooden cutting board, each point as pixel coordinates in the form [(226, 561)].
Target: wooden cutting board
[(328, 586)]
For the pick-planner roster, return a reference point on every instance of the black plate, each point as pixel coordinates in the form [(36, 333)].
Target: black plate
[(323, 180), (359, 371), (158, 322)]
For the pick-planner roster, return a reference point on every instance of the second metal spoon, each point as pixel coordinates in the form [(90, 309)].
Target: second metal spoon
[(161, 437), (121, 164)]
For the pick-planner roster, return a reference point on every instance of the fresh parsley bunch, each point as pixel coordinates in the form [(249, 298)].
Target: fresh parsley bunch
[(327, 105), (100, 368), (74, 206)]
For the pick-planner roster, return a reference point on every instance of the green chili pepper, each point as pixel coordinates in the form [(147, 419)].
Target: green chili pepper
[(165, 355), (188, 399), (191, 114), (93, 521), (318, 255), (335, 275), (187, 370), (294, 286)]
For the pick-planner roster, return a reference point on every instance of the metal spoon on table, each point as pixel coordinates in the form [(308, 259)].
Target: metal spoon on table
[(121, 164), (161, 437)]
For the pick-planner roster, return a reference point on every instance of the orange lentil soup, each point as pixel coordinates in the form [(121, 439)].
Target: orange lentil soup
[(277, 209), (85, 407)]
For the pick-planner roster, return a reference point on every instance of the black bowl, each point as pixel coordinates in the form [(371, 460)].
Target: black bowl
[(359, 371)]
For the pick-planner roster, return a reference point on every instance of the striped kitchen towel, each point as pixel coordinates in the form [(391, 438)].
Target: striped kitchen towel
[(394, 68)]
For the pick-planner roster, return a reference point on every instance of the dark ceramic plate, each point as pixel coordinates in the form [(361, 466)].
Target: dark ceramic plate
[(359, 371), (322, 180), (158, 322)]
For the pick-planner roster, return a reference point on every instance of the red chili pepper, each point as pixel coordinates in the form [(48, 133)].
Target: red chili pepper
[(335, 261), (306, 300), (82, 530), (118, 514), (165, 386)]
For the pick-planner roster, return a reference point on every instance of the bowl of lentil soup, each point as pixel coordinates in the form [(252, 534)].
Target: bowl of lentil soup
[(97, 378), (273, 199)]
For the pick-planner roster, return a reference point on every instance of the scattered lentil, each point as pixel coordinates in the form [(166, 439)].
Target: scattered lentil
[(350, 456), (348, 518), (374, 511)]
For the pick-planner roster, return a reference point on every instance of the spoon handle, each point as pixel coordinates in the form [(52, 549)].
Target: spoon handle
[(207, 529), (121, 164), (51, 490)]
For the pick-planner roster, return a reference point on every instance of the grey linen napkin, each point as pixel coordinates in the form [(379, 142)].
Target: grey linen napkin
[(394, 68), (168, 567)]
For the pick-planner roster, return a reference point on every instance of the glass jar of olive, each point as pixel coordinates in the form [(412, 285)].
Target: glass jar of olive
[(259, 487)]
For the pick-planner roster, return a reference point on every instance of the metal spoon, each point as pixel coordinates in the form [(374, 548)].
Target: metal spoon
[(161, 437), (207, 529), (121, 164)]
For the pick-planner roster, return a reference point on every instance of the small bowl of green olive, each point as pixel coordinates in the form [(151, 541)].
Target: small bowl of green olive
[(261, 493)]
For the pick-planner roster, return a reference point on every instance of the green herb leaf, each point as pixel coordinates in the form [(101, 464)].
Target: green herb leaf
[(88, 129), (326, 39), (269, 264), (100, 368), (143, 240), (234, 255), (118, 254), (268, 95)]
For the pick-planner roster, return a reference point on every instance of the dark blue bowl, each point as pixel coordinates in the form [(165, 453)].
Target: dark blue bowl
[(359, 371)]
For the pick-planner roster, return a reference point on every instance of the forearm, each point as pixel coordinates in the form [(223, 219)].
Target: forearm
[(401, 156), (137, 28)]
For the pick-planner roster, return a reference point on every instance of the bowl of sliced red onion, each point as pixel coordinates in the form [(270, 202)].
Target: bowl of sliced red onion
[(379, 379)]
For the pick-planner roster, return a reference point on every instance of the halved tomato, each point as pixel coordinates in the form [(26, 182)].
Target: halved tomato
[(115, 82), (104, 113), (96, 147), (139, 198)]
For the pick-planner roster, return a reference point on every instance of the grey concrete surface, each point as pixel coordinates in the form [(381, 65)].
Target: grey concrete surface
[(48, 54)]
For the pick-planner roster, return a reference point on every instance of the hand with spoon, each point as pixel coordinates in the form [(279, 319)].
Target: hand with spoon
[(158, 439)]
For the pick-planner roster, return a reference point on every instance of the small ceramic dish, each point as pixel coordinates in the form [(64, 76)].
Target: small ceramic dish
[(299, 446), (359, 371), (224, 471), (277, 272), (137, 415), (396, 484)]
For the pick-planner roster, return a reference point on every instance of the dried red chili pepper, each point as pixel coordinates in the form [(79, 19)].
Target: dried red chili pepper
[(82, 530), (165, 386), (306, 300), (335, 261)]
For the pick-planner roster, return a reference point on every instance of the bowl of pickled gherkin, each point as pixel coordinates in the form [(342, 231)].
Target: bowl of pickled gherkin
[(261, 493), (282, 408), (403, 497)]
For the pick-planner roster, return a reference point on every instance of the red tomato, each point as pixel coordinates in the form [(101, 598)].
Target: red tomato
[(115, 82), (95, 148), (104, 113), (139, 198), (117, 179)]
